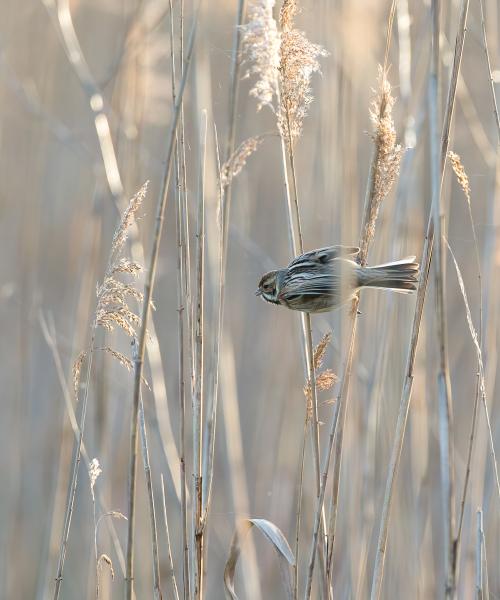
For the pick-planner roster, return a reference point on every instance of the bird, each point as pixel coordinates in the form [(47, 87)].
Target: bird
[(325, 279)]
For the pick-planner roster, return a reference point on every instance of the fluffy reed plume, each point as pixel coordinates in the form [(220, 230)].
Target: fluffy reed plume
[(388, 153), (325, 379), (261, 44), (283, 62), (112, 309), (298, 61), (235, 163), (113, 294)]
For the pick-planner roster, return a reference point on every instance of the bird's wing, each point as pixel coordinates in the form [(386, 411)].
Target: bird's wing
[(308, 284), (322, 256)]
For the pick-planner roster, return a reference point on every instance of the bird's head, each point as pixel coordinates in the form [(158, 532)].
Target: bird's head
[(268, 287)]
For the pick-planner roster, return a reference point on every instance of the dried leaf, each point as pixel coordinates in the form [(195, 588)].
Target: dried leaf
[(94, 472), (275, 536), (104, 558)]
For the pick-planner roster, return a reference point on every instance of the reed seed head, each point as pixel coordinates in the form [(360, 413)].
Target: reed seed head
[(459, 170), (326, 379), (261, 45), (128, 218), (77, 369), (388, 153), (235, 163), (298, 61)]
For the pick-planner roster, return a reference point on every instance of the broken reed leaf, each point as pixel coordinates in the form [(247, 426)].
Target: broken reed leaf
[(235, 163), (116, 514), (298, 61), (388, 153), (274, 535), (461, 175), (104, 558), (77, 369), (261, 45), (128, 217)]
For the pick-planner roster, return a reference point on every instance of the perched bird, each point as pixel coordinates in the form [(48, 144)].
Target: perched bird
[(325, 279)]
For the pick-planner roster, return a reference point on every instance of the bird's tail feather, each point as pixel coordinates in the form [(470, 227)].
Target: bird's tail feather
[(400, 275)]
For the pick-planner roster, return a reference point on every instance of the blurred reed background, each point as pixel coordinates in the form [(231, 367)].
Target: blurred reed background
[(86, 99)]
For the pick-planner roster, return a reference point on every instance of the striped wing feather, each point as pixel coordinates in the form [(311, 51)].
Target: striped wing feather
[(321, 257)]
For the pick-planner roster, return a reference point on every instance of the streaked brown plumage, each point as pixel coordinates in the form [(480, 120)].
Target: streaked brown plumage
[(325, 279)]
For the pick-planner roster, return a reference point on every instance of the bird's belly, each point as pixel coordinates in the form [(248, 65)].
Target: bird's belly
[(318, 304)]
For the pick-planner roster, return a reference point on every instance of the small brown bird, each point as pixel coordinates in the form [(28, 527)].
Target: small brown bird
[(325, 279)]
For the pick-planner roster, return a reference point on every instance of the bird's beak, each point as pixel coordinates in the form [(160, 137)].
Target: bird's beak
[(258, 292)]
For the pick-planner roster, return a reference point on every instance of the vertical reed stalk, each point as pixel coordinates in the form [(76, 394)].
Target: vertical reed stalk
[(211, 420), (443, 378), (476, 246), (70, 502), (183, 309), (422, 287), (233, 104), (464, 183), (305, 317), (364, 244), (152, 512), (170, 562), (479, 556), (224, 199), (298, 513), (198, 392), (295, 235), (148, 291), (295, 227)]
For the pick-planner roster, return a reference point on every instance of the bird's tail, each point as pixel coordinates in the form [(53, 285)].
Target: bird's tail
[(400, 275)]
